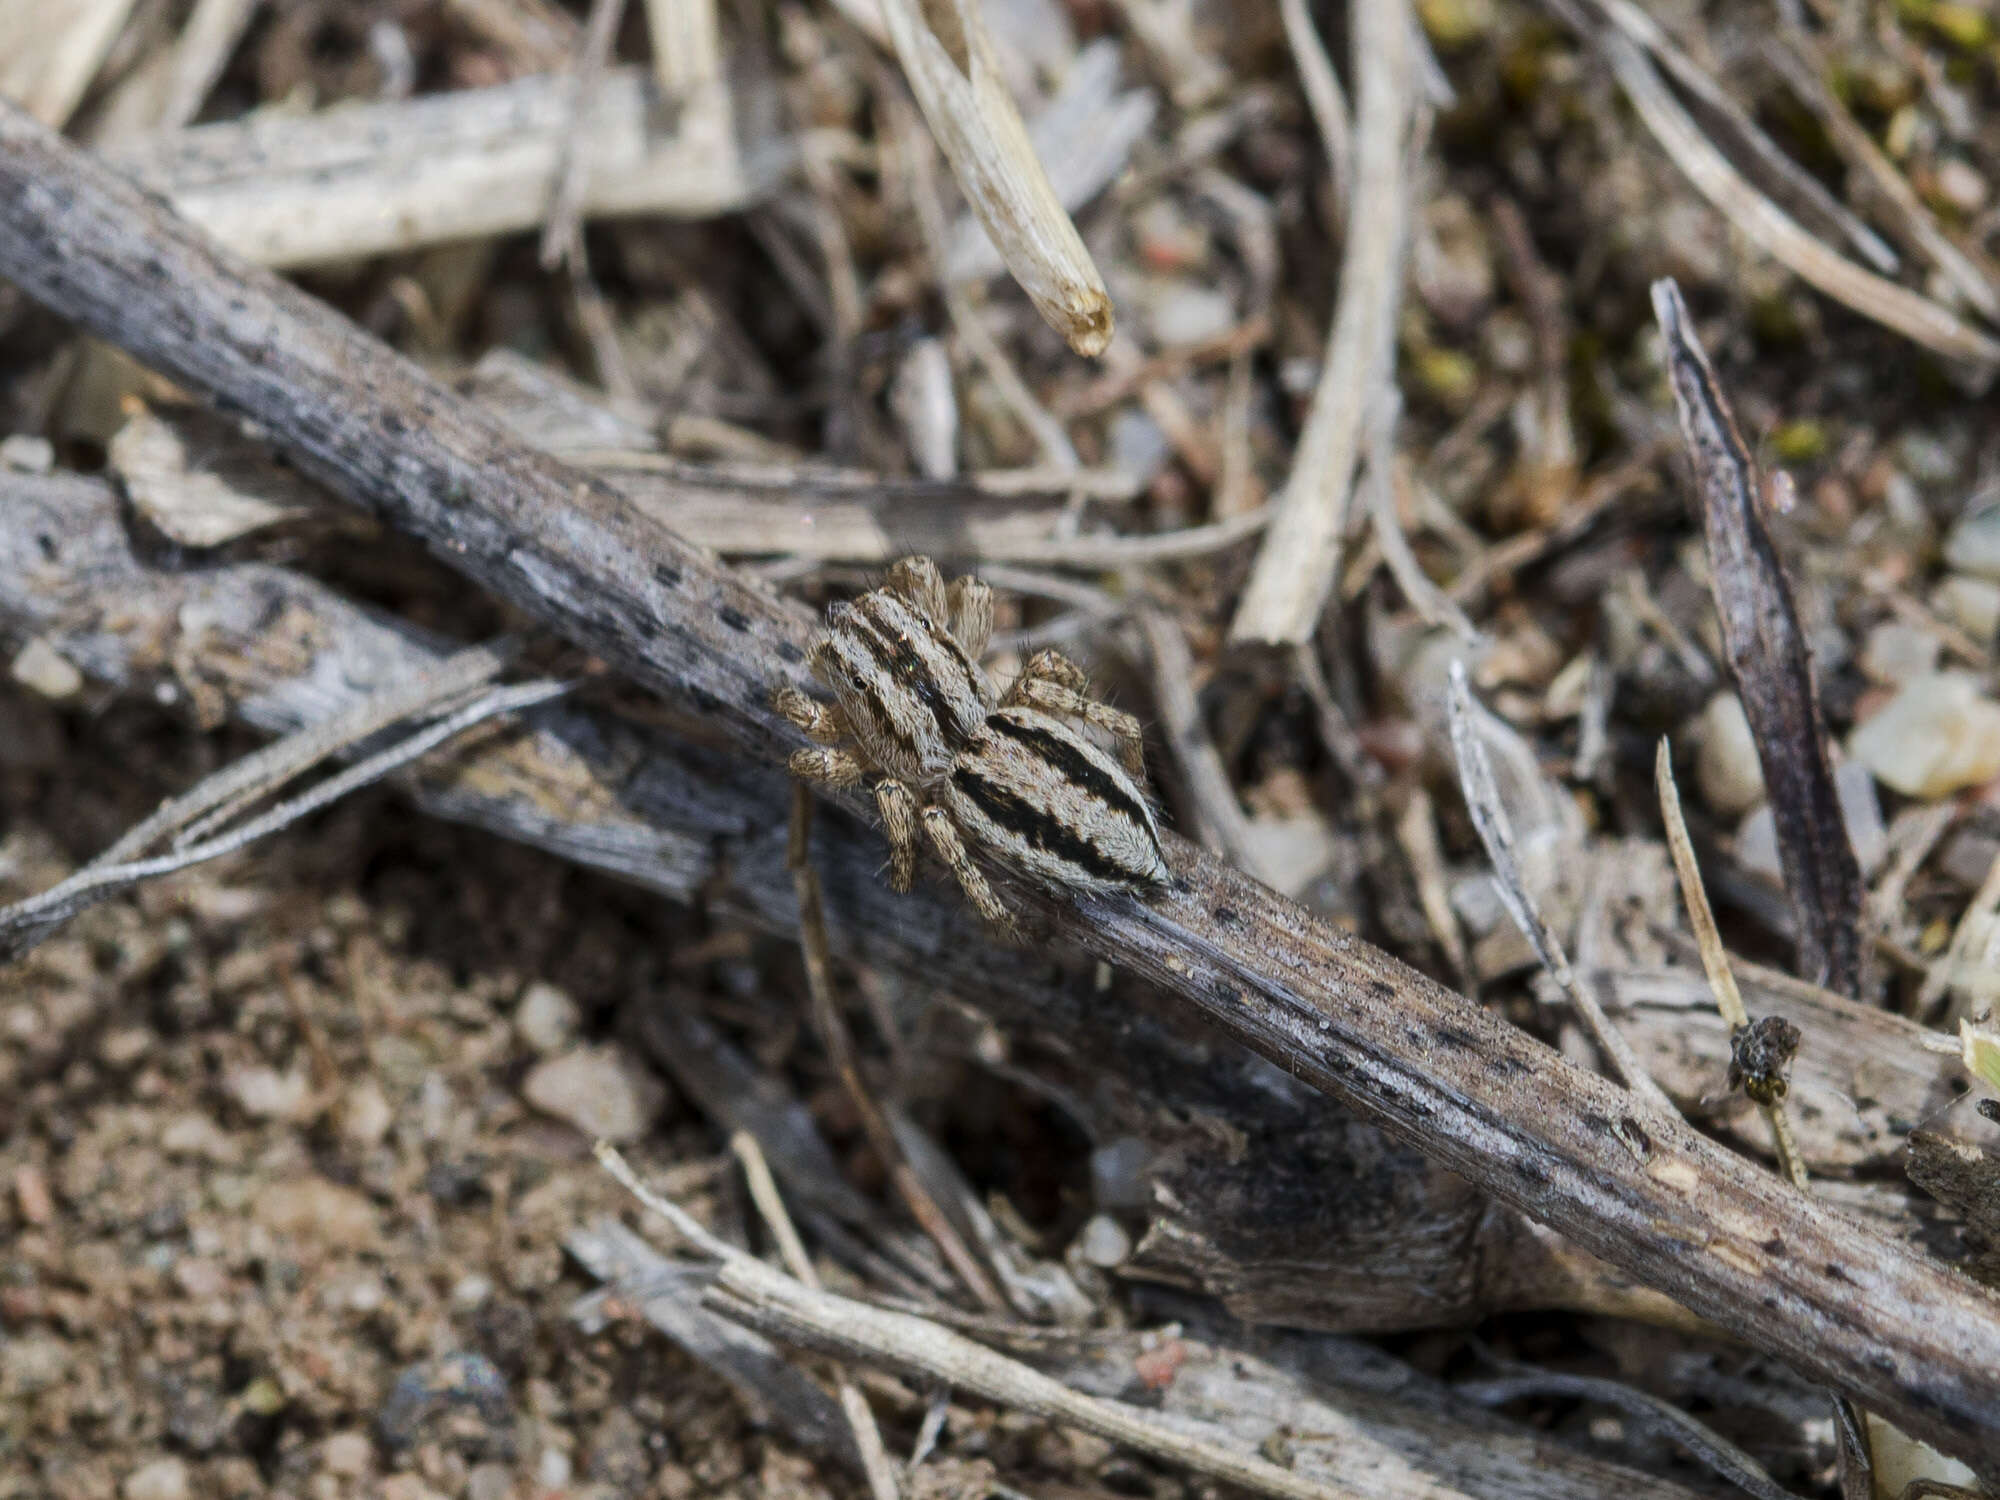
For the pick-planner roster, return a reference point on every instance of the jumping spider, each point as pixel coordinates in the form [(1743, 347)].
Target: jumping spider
[(914, 709)]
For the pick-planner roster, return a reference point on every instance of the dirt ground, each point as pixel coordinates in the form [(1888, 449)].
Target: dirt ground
[(276, 1217)]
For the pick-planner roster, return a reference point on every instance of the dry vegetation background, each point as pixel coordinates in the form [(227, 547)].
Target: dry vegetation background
[(296, 1194)]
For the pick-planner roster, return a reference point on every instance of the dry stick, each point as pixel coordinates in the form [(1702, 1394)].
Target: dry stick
[(1430, 602), (833, 1036), (264, 771), (1702, 1441), (1714, 956), (949, 61), (1847, 1304), (764, 1298), (1770, 660), (1324, 97), (1489, 816), (1218, 818), (1805, 189), (1856, 1464), (213, 29), (1299, 557), (50, 53), (770, 1203), (561, 236), (32, 920), (370, 179), (1801, 63), (1914, 316)]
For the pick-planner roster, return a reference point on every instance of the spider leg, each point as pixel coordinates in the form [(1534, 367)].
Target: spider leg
[(827, 768), (1056, 685), (918, 580), (951, 849), (898, 806), (971, 605), (820, 721)]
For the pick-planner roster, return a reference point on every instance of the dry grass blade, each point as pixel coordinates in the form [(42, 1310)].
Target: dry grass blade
[(30, 921), (561, 242), (1715, 958), (50, 53), (1799, 61), (213, 29), (764, 1193), (1300, 554), (1702, 1441), (1489, 816), (1908, 313), (1324, 96), (1770, 660), (1803, 189), (948, 59)]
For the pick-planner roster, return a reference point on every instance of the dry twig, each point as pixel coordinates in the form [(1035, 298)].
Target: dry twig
[(948, 59), (1299, 558), (1771, 661), (771, 1208)]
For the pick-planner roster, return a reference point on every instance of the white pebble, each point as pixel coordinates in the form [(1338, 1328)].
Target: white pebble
[(1895, 653), (1972, 604), (1935, 737), (162, 1479), (1974, 543), (602, 1091), (1104, 1242), (41, 668), (1725, 761), (546, 1018)]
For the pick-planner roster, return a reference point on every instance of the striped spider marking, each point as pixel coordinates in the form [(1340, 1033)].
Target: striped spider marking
[(913, 710)]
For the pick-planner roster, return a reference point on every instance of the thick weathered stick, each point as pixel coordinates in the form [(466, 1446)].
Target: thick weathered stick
[(1895, 1330)]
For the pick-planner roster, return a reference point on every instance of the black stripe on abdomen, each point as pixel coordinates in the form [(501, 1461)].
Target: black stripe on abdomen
[(1009, 811), (1077, 768)]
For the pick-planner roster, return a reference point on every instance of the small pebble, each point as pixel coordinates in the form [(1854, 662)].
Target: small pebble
[(602, 1091), (365, 1115), (31, 1192), (1937, 736), (1972, 604), (489, 1482), (162, 1479), (1895, 653), (263, 1093), (1725, 763), (924, 402), (349, 1454), (546, 1019), (318, 1212), (1974, 544), (41, 668), (553, 1469), (27, 454), (1103, 1242)]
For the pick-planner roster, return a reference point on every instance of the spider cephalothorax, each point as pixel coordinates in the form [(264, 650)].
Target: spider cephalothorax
[(913, 708)]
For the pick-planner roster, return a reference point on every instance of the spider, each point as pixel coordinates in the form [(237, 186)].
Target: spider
[(914, 710)]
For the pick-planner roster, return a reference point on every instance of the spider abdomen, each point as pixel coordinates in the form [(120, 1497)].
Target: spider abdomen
[(1034, 792)]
